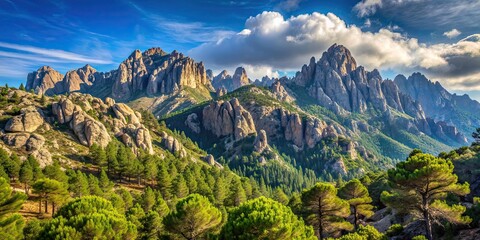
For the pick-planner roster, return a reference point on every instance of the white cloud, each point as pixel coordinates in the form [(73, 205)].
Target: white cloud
[(367, 7), (53, 54), (452, 33), (270, 40)]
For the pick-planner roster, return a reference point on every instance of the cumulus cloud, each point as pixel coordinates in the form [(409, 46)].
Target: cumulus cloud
[(270, 40), (452, 33)]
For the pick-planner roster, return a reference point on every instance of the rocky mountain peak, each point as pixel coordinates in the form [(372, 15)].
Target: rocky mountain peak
[(154, 51), (230, 83), (240, 78), (339, 58), (44, 81)]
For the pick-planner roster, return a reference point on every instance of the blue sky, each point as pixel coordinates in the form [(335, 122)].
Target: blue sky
[(274, 37)]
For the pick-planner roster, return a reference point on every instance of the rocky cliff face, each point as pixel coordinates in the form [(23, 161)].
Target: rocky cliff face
[(228, 118), (439, 104), (45, 81), (338, 84), (150, 73), (230, 83)]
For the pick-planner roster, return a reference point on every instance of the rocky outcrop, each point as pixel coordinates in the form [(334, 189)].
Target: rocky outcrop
[(86, 128), (221, 91), (228, 118), (31, 143), (136, 136), (230, 83), (44, 81), (261, 142), (307, 131), (193, 122), (29, 120), (172, 144), (281, 93), (126, 114)]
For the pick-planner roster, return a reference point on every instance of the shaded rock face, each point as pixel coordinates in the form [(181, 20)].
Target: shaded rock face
[(228, 118), (149, 73), (50, 82), (230, 83), (29, 120), (80, 79), (193, 122), (440, 104), (261, 142), (45, 81), (343, 87)]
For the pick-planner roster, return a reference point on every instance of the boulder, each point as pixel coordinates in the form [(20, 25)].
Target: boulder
[(35, 142), (29, 120)]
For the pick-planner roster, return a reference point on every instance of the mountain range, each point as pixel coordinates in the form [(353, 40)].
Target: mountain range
[(332, 116)]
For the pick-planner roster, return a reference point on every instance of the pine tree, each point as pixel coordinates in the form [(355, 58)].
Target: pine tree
[(98, 155), (93, 186), (37, 171), (220, 191), (22, 87), (89, 217), (51, 191), (164, 181), (237, 194), (11, 223), (26, 175), (264, 218), (325, 211), (420, 186), (180, 188), (148, 199), (194, 216), (78, 183), (152, 226), (111, 151), (280, 196), (161, 206), (357, 196), (126, 196), (11, 164), (123, 162), (105, 184), (54, 171)]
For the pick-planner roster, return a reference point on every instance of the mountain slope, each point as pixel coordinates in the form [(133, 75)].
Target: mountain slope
[(441, 105)]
